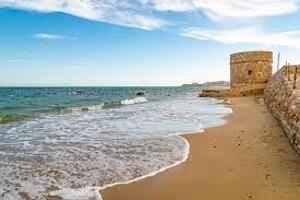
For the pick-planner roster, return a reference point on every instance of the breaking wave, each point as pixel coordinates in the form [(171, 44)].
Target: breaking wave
[(90, 148), (134, 101), (7, 118)]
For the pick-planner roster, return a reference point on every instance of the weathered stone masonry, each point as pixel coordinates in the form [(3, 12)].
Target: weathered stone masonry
[(282, 97), (250, 68)]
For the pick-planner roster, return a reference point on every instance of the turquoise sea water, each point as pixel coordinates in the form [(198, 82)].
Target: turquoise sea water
[(25, 102), (71, 142)]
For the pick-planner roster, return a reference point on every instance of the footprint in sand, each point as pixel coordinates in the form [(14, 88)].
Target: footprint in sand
[(267, 176), (239, 139)]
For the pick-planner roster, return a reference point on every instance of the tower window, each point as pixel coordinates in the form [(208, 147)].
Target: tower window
[(249, 72)]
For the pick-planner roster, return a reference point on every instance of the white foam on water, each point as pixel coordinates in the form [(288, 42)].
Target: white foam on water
[(87, 108), (90, 193), (185, 156), (134, 101), (94, 192), (77, 154)]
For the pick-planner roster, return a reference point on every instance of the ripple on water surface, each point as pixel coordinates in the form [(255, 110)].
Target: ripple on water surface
[(90, 150)]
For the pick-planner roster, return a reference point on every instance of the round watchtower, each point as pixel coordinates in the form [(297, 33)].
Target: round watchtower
[(250, 68)]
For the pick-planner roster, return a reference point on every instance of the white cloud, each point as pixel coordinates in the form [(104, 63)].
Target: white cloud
[(111, 11), (218, 9), (139, 13), (47, 36), (250, 35), (170, 5)]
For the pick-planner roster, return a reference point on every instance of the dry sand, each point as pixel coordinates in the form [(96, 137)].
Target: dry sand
[(248, 158)]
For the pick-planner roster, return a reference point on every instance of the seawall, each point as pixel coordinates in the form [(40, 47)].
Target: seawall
[(282, 97)]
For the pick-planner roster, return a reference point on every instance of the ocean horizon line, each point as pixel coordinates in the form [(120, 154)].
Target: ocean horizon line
[(20, 86)]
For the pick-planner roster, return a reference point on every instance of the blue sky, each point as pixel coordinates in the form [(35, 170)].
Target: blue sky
[(138, 42)]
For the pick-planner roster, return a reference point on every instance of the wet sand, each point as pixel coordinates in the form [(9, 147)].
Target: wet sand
[(248, 158)]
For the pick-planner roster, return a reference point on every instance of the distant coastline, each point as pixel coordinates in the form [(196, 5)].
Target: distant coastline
[(209, 83)]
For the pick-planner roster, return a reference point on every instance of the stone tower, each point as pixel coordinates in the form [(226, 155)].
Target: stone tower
[(250, 69), (250, 72)]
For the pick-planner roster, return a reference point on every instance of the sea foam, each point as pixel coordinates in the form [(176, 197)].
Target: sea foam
[(76, 154), (134, 101)]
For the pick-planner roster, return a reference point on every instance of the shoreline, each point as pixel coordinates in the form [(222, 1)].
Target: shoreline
[(186, 156), (200, 175)]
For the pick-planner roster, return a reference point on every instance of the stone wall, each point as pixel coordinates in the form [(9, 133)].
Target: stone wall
[(283, 100)]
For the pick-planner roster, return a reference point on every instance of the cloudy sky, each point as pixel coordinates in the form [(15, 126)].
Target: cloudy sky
[(138, 42)]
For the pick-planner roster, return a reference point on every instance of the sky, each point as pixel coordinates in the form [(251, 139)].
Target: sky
[(139, 42)]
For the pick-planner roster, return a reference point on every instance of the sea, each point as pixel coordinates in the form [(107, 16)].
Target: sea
[(72, 142)]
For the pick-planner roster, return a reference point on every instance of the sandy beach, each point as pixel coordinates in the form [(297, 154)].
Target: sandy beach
[(248, 158)]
